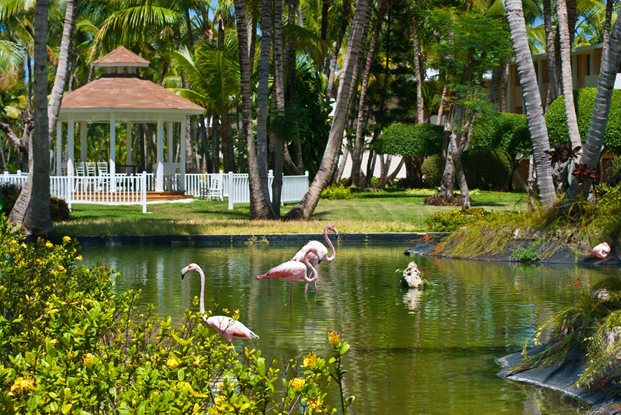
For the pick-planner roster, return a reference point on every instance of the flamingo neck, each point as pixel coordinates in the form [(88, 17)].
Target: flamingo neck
[(312, 268), (329, 242), (201, 299)]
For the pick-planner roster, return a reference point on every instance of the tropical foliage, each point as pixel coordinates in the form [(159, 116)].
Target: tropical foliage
[(72, 344)]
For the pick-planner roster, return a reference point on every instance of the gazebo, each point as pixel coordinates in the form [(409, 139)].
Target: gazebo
[(121, 96)]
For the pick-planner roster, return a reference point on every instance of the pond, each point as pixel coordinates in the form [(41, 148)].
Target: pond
[(428, 352)]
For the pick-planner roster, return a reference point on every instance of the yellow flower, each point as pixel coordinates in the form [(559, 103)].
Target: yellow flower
[(61, 268), (297, 383), (78, 258), (172, 362), (315, 404), (88, 359), (310, 360), (48, 244), (66, 239), (22, 385), (334, 338)]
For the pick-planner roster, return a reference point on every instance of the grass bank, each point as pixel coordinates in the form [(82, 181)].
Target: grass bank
[(381, 211)]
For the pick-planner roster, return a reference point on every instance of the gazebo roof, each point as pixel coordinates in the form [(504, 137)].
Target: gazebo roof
[(121, 56), (124, 96), (123, 93)]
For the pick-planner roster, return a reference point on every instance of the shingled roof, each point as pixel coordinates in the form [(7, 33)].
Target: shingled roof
[(121, 56), (126, 93)]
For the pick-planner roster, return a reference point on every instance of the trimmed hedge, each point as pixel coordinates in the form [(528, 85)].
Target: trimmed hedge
[(585, 101), (502, 130), (487, 169), (410, 140)]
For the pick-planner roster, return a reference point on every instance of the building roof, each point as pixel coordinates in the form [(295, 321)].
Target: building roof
[(121, 56), (124, 93)]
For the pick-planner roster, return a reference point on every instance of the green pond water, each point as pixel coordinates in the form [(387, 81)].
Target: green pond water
[(412, 352)]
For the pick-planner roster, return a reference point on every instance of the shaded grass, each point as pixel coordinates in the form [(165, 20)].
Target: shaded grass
[(382, 211)]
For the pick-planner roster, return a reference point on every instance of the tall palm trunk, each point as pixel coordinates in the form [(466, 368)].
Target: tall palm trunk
[(262, 100), (345, 15), (607, 25), (61, 70), (532, 100), (335, 138), (419, 71), (276, 140), (566, 75), (550, 52), (32, 208), (599, 118), (362, 100), (259, 208)]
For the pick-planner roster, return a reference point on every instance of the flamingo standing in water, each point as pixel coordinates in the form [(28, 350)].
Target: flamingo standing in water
[(226, 326), (295, 271), (321, 252)]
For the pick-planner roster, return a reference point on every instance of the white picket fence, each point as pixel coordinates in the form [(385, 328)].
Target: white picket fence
[(123, 189)]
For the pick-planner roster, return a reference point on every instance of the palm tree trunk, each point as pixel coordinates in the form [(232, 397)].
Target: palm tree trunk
[(362, 100), (532, 100), (566, 74), (345, 15), (61, 69), (419, 72), (259, 208), (276, 140), (599, 119), (335, 138), (550, 52), (607, 25), (32, 208)]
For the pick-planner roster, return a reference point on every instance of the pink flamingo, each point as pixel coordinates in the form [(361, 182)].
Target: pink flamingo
[(294, 271), (226, 326), (321, 250), (601, 251)]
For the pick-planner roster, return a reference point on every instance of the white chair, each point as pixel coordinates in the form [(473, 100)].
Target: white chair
[(80, 169), (91, 168), (214, 190), (102, 167)]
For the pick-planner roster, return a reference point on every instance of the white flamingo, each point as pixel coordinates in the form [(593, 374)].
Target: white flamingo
[(226, 326)]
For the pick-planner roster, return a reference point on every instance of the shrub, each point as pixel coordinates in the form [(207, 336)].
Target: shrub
[(59, 210), (410, 140), (432, 170), (454, 219), (502, 130), (71, 344), (334, 192), (487, 169), (525, 254), (585, 101)]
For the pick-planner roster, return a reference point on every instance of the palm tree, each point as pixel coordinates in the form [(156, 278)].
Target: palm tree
[(566, 74), (32, 208), (599, 118), (532, 101), (309, 202), (61, 69), (258, 203)]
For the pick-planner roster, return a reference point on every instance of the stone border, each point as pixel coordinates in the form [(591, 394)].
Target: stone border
[(244, 239)]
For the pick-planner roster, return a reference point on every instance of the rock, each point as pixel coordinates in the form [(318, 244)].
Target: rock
[(411, 277), (605, 409)]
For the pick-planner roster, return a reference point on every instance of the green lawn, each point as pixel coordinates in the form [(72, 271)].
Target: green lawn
[(382, 211)]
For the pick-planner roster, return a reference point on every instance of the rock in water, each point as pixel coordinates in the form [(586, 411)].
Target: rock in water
[(411, 277)]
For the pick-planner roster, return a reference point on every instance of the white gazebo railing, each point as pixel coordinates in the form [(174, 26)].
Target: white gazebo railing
[(121, 189)]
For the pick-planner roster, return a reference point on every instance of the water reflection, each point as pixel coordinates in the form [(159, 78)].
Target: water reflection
[(413, 352)]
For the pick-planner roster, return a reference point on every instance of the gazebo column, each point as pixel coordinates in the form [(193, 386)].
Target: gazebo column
[(111, 161), (159, 173), (169, 150), (83, 145), (59, 147), (182, 159), (128, 145), (70, 147)]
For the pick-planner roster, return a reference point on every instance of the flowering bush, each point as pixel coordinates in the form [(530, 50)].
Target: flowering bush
[(71, 345)]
